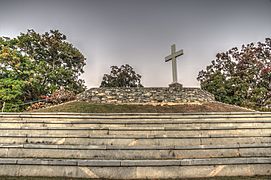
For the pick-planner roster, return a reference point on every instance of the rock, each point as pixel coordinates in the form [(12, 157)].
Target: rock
[(173, 95), (95, 99), (100, 94)]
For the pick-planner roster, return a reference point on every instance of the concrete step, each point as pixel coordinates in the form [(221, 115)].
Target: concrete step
[(138, 120), (130, 141), (135, 172), (122, 127), (134, 163), (82, 133), (133, 153), (33, 114), (205, 114), (131, 116), (135, 146)]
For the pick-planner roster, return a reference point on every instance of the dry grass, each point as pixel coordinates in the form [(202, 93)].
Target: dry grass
[(85, 107)]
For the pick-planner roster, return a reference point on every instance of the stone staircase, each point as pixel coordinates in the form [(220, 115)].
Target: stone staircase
[(135, 146)]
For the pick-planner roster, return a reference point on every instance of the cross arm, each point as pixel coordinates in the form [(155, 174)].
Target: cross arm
[(168, 58), (176, 54), (179, 53)]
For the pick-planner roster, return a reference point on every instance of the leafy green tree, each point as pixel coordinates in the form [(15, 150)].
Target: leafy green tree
[(123, 76), (35, 64), (241, 77), (58, 63), (15, 73)]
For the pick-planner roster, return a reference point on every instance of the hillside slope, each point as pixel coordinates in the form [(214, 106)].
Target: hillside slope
[(85, 107)]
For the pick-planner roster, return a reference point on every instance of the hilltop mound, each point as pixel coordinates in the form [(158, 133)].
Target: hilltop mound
[(86, 107)]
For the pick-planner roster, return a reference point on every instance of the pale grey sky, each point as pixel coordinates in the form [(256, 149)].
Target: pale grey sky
[(140, 32)]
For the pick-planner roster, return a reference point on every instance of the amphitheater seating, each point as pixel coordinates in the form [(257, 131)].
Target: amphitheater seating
[(135, 146)]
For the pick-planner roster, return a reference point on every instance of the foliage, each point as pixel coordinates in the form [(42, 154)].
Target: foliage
[(123, 76), (36, 106), (15, 73), (33, 65), (58, 97), (61, 96), (241, 77), (58, 63)]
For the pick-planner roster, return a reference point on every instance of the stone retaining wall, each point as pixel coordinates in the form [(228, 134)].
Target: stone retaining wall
[(145, 95)]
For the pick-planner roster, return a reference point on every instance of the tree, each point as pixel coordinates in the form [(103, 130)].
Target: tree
[(58, 63), (241, 77), (123, 76), (16, 71), (33, 65)]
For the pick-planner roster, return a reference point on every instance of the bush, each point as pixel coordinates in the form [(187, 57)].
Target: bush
[(61, 96)]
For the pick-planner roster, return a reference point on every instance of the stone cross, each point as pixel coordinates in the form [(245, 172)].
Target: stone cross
[(172, 57)]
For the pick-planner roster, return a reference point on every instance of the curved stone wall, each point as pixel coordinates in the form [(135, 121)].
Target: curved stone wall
[(145, 95)]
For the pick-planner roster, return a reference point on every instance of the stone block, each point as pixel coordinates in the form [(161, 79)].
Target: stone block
[(225, 161), (100, 163), (95, 99), (147, 163), (108, 172), (7, 161), (255, 152), (49, 171)]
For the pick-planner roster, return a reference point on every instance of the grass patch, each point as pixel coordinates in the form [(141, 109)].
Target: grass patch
[(85, 107)]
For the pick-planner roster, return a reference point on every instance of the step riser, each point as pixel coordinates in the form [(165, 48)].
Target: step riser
[(174, 172), (146, 120), (137, 134), (135, 163), (136, 142), (196, 133), (132, 115), (139, 126), (133, 154)]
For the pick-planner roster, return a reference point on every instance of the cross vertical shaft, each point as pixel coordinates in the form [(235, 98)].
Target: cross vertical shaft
[(174, 64)]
